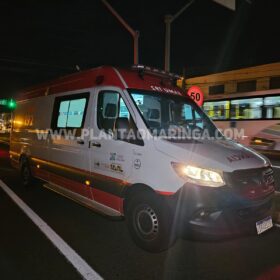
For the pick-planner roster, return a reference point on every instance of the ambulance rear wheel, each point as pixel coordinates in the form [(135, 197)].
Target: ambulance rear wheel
[(26, 175), (150, 222)]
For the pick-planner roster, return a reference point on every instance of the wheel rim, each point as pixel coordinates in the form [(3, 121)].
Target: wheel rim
[(146, 222)]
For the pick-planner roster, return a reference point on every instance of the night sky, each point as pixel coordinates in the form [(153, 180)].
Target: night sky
[(41, 40)]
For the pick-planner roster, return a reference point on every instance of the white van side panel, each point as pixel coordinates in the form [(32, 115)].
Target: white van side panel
[(30, 122)]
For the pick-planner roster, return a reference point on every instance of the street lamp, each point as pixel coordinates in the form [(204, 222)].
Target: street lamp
[(134, 33)]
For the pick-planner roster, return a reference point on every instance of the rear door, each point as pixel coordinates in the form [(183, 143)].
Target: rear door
[(69, 166)]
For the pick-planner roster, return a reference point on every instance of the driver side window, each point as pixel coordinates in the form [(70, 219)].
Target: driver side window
[(113, 117), (110, 107)]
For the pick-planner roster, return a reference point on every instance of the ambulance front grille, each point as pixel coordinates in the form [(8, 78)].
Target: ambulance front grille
[(252, 183)]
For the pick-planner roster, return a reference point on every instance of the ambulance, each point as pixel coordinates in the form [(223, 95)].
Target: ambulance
[(130, 143)]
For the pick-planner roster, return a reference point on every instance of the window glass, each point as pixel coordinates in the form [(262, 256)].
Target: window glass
[(189, 114), (246, 86), (110, 106), (216, 89), (272, 107), (187, 109), (123, 113), (170, 113), (76, 113), (63, 113), (217, 110), (250, 108), (198, 120), (139, 99), (274, 82), (71, 113), (246, 108)]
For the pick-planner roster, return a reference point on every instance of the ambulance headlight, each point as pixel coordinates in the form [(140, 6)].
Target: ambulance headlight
[(199, 176)]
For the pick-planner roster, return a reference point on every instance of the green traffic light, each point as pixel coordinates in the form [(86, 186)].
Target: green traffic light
[(12, 104)]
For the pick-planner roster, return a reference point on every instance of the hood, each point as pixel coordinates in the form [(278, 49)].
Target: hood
[(224, 155)]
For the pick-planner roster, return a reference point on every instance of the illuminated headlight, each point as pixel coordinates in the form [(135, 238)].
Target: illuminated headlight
[(199, 176)]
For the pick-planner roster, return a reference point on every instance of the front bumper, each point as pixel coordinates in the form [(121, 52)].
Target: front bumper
[(217, 213)]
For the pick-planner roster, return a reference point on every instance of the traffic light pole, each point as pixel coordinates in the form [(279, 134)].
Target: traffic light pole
[(134, 33)]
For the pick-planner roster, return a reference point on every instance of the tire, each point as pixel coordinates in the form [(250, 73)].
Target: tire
[(149, 222), (26, 175)]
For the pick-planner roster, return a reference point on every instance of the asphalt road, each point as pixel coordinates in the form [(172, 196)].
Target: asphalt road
[(25, 253)]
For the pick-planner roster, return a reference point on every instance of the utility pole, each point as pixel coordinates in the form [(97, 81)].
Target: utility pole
[(168, 19), (134, 33), (230, 4)]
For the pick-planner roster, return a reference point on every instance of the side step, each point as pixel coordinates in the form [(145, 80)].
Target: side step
[(96, 206)]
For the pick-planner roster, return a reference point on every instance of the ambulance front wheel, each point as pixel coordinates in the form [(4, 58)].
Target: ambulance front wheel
[(149, 221)]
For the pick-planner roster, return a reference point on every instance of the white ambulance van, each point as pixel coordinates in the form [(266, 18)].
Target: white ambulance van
[(130, 143)]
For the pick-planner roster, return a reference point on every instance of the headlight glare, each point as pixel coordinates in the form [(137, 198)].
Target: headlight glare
[(199, 176)]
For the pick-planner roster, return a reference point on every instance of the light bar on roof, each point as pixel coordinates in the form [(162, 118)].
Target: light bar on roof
[(155, 71)]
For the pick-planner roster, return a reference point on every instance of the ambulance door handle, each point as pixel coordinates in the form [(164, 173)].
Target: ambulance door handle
[(96, 144)]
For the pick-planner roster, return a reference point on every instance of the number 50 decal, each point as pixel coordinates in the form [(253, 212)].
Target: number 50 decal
[(196, 94)]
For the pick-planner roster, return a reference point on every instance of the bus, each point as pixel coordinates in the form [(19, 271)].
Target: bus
[(256, 114)]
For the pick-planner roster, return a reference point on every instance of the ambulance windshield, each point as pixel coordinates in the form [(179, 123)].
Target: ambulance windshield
[(173, 116)]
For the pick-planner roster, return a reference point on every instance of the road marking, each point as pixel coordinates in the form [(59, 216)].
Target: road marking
[(275, 166), (79, 264)]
